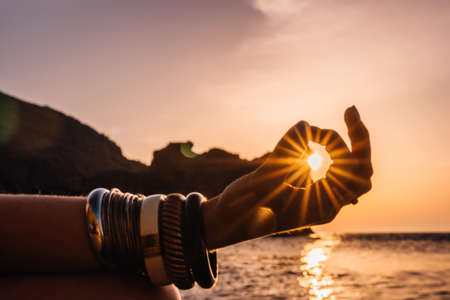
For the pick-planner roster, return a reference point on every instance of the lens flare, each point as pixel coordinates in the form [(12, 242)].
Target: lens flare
[(315, 161)]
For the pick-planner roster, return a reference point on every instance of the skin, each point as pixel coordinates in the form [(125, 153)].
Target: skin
[(76, 286), (279, 195), (50, 255), (37, 261)]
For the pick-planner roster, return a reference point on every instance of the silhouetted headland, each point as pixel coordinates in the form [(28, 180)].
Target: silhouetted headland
[(45, 151)]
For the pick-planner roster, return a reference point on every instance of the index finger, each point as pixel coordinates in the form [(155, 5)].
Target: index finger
[(359, 138)]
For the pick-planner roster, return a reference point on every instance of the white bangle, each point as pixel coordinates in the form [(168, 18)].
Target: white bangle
[(153, 259)]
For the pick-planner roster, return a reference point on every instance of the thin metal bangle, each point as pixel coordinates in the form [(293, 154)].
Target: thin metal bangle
[(114, 229), (95, 225)]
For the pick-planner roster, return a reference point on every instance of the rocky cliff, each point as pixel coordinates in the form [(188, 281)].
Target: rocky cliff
[(43, 150), (46, 151)]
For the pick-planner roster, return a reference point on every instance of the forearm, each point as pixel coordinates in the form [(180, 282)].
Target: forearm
[(44, 233), (237, 215), (49, 233)]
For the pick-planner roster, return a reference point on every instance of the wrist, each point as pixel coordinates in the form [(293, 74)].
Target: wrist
[(147, 236), (235, 215)]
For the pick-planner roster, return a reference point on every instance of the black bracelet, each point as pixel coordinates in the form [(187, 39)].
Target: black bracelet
[(171, 215), (202, 262)]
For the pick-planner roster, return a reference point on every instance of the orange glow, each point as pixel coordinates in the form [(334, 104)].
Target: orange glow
[(240, 85)]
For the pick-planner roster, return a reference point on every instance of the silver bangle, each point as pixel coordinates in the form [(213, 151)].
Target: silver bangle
[(124, 233), (113, 226), (95, 224)]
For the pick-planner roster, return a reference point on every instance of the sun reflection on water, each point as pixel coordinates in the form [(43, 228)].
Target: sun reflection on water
[(312, 264)]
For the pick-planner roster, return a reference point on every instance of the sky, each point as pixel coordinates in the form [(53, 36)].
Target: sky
[(238, 74)]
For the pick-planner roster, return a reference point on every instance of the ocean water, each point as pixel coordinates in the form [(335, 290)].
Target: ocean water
[(334, 266)]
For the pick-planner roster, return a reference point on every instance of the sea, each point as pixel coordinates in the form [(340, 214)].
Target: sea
[(334, 266)]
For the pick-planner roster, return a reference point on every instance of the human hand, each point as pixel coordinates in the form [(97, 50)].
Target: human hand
[(285, 173), (280, 195)]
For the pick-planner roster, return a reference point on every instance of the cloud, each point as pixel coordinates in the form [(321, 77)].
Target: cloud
[(279, 10)]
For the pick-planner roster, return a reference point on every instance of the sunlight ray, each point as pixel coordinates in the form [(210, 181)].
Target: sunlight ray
[(304, 205), (348, 175), (281, 162), (288, 201), (308, 133), (302, 179), (338, 194), (362, 144), (294, 153), (331, 195), (302, 141), (291, 178), (319, 198), (346, 161), (317, 136), (300, 171), (326, 138), (338, 151), (294, 144), (338, 182), (334, 146), (278, 173)]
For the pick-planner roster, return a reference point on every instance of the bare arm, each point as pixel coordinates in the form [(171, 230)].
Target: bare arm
[(48, 234), (86, 285), (44, 233)]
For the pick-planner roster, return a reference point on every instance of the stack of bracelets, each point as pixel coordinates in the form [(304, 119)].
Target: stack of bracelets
[(158, 237)]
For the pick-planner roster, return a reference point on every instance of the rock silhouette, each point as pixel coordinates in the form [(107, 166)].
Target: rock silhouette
[(45, 151)]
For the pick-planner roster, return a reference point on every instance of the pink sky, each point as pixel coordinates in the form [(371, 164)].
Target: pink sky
[(237, 74)]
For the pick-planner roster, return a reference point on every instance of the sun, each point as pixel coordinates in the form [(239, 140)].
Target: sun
[(315, 161), (319, 161)]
